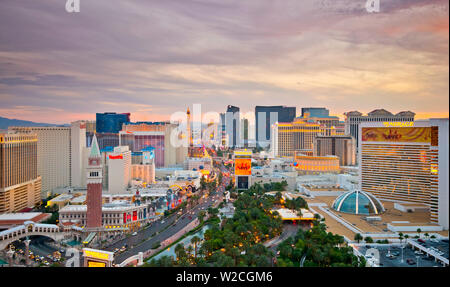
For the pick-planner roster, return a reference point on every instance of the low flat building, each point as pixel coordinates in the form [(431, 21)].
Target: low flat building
[(113, 215), (9, 220)]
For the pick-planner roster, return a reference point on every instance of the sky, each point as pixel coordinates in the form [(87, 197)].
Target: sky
[(155, 58)]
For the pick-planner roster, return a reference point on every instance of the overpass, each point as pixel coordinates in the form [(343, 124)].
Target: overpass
[(30, 228)]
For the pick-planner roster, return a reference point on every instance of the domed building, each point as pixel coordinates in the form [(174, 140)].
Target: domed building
[(358, 202)]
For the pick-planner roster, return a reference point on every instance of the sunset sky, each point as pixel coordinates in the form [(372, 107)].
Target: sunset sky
[(154, 58)]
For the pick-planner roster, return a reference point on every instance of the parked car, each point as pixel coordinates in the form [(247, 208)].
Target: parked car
[(134, 233), (410, 261), (421, 240)]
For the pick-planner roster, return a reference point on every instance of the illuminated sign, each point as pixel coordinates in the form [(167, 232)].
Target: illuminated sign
[(398, 124), (415, 134), (134, 215), (96, 264), (243, 166), (116, 156), (124, 217), (96, 254)]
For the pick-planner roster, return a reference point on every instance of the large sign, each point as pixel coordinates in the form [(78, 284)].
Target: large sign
[(243, 166), (96, 254), (398, 124), (407, 134), (96, 264)]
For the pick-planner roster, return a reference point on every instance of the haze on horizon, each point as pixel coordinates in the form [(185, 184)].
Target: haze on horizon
[(154, 58)]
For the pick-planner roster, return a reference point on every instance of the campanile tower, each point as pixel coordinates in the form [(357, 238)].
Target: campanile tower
[(94, 187)]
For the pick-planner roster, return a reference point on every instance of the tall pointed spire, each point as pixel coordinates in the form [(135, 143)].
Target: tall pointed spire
[(95, 151)]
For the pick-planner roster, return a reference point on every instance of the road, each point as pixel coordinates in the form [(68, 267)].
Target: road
[(288, 231), (147, 238)]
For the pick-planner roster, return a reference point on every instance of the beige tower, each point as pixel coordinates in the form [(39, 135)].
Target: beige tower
[(189, 132)]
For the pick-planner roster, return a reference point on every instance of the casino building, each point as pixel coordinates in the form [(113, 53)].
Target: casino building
[(407, 162)]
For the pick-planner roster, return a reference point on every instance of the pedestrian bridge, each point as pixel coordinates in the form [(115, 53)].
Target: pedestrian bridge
[(30, 228)]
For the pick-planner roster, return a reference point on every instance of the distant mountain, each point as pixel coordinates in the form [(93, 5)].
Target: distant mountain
[(5, 123)]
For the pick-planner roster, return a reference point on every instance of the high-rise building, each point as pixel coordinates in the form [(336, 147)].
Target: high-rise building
[(119, 170), (264, 121), (407, 162), (222, 130), (20, 184), (138, 136), (332, 125), (354, 118), (232, 126), (188, 128), (94, 188), (59, 154), (54, 155), (77, 144), (111, 122), (343, 147), (296, 137)]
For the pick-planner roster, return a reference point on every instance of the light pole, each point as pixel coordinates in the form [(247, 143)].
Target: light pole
[(418, 257), (402, 252)]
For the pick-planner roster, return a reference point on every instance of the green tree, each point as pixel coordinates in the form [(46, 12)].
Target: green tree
[(368, 239), (358, 237), (195, 241), (419, 231)]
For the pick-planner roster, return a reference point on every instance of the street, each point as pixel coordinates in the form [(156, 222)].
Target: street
[(146, 238)]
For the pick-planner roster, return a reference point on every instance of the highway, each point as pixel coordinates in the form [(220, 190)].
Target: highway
[(146, 238)]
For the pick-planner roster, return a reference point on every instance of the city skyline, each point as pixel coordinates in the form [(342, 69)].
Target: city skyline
[(154, 59)]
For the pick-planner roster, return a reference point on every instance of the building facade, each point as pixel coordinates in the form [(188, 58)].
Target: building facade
[(316, 164), (354, 118), (341, 146), (20, 184), (111, 122), (119, 169), (54, 155), (264, 121), (94, 188), (233, 126), (407, 162), (296, 136), (158, 136)]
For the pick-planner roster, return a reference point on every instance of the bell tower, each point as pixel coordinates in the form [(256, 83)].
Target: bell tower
[(94, 187)]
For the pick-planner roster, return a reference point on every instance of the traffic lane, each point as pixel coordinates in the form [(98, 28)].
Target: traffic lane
[(147, 245), (158, 238), (145, 233)]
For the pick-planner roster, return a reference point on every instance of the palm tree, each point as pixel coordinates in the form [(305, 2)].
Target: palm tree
[(195, 241), (400, 236), (180, 252), (427, 235), (418, 231), (358, 237), (201, 216)]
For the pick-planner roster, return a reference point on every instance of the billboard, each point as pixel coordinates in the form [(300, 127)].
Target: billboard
[(408, 134), (96, 264), (243, 166)]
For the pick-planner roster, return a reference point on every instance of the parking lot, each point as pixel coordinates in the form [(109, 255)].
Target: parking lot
[(391, 256)]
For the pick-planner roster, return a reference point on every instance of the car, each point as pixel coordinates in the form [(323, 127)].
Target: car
[(421, 240), (428, 258), (418, 252), (134, 233), (410, 261)]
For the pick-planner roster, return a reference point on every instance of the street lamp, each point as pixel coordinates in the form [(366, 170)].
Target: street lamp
[(418, 257)]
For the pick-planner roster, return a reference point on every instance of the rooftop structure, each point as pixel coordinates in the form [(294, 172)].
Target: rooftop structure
[(358, 202)]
